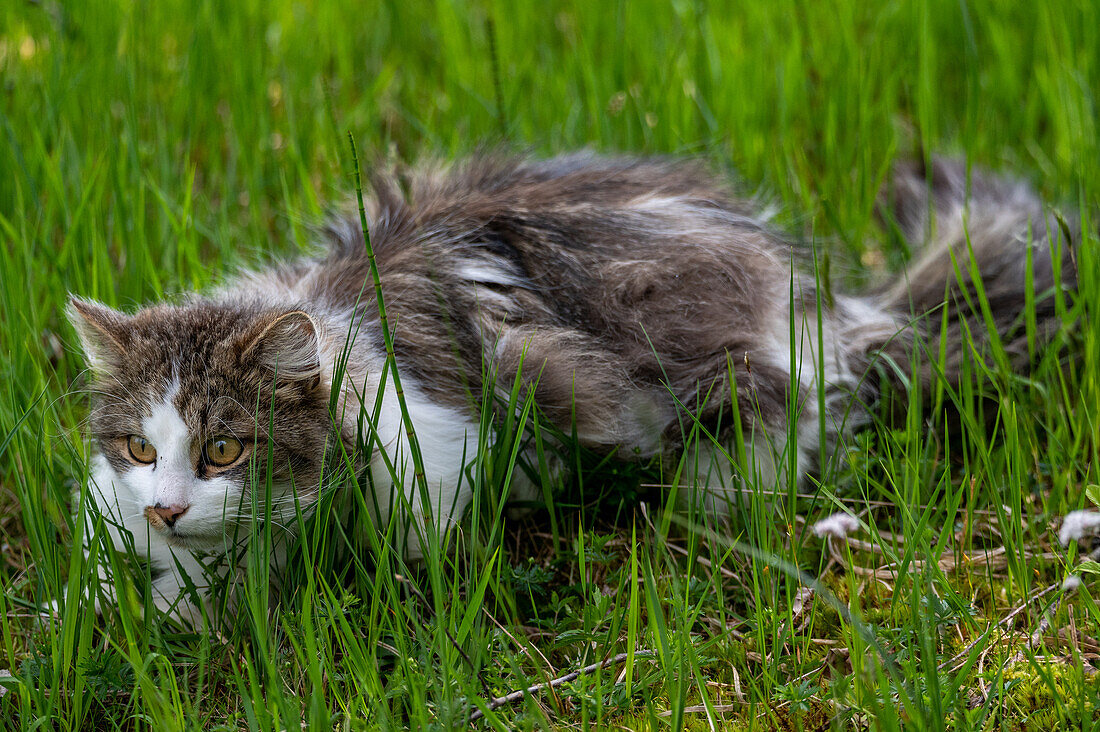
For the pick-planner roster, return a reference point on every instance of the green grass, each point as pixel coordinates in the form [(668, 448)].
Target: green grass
[(148, 147)]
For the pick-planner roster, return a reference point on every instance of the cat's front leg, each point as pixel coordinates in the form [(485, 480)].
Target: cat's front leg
[(179, 581), (215, 582), (111, 523), (112, 513), (180, 586)]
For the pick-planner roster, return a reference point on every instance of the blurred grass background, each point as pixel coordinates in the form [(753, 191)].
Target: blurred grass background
[(147, 148)]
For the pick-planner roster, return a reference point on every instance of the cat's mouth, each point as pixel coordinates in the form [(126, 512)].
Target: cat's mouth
[(194, 542), (180, 539)]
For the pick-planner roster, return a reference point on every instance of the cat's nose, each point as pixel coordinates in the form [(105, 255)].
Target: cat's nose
[(170, 514)]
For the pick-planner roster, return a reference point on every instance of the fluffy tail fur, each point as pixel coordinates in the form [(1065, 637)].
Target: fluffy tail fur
[(986, 225)]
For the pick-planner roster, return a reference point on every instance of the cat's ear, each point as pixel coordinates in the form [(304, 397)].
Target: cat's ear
[(286, 343), (103, 332)]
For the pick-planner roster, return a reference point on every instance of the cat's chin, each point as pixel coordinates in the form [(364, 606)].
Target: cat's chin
[(192, 542)]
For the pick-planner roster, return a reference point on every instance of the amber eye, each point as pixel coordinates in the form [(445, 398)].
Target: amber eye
[(223, 451), (141, 450)]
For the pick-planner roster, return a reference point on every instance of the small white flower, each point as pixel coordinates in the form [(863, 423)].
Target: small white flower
[(4, 673), (1071, 583), (839, 525), (1077, 524)]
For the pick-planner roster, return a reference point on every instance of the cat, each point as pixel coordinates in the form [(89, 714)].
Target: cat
[(622, 293)]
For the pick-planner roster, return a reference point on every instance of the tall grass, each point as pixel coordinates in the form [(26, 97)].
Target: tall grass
[(148, 148)]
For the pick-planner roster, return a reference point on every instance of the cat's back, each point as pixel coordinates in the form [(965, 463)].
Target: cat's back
[(575, 229), (630, 271)]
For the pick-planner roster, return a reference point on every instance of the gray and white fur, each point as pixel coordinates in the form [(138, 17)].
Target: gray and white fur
[(622, 292)]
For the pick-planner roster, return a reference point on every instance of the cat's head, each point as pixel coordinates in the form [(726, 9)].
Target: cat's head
[(198, 407)]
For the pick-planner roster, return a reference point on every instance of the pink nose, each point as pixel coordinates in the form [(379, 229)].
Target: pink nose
[(170, 514)]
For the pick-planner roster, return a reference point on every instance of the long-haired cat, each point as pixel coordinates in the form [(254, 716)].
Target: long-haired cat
[(623, 293)]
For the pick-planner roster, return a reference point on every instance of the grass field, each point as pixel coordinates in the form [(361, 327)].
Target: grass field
[(146, 148)]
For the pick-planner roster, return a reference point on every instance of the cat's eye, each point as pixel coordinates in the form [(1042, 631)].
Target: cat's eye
[(223, 451), (141, 450)]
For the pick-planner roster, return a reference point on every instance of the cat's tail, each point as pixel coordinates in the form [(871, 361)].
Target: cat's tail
[(993, 265)]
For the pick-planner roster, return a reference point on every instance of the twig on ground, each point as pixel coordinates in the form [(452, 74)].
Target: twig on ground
[(993, 559), (514, 639), (1001, 623), (703, 561), (1036, 638), (700, 708), (803, 601), (499, 701)]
